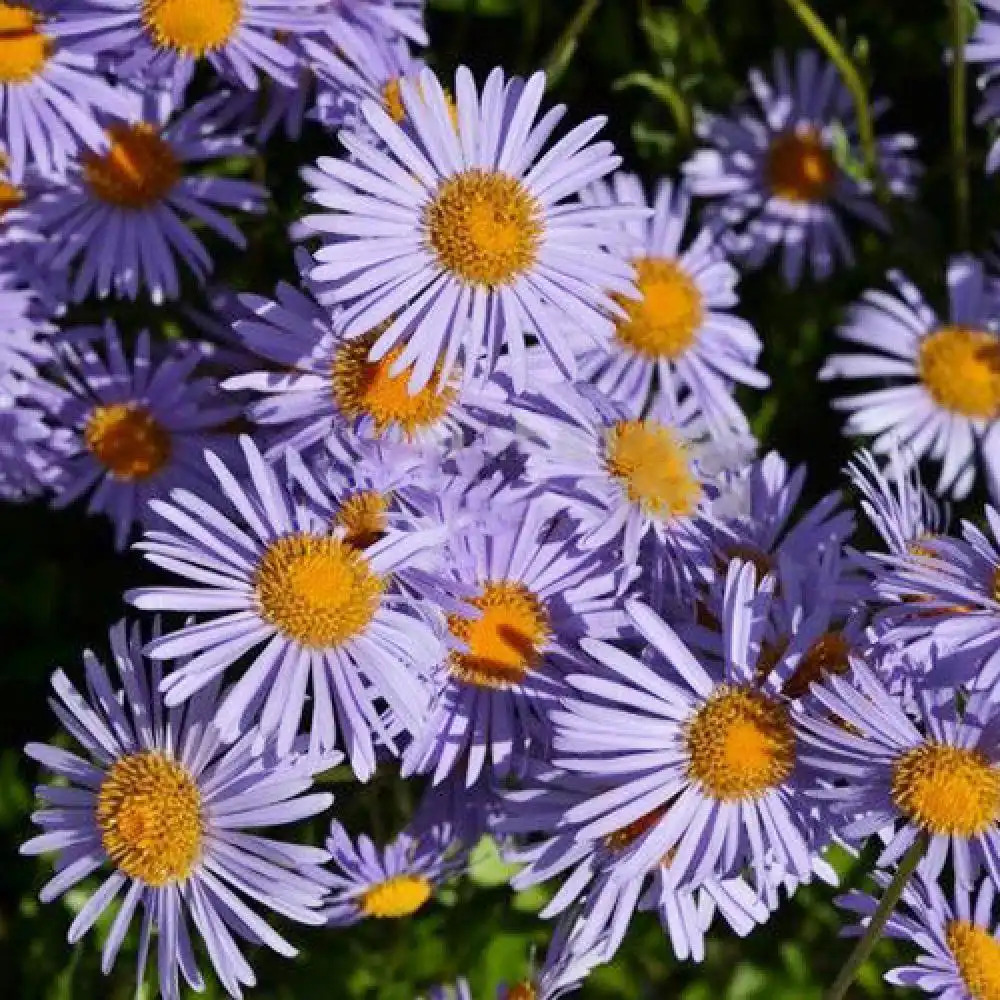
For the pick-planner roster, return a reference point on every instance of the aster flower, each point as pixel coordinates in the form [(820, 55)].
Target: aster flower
[(518, 594), (779, 174), (50, 91), (385, 18), (239, 39), (135, 426), (461, 240), (946, 395), (944, 593), (122, 213), (322, 619), (321, 389), (389, 884), (957, 937), (718, 753), (937, 778), (161, 801), (25, 337), (681, 331)]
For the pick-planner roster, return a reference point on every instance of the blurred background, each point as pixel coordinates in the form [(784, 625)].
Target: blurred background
[(646, 65)]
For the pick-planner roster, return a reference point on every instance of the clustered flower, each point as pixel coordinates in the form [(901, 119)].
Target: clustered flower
[(474, 498)]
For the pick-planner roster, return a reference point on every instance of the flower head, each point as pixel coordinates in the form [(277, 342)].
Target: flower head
[(161, 801)]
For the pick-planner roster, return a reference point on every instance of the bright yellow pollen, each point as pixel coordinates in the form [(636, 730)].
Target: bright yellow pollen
[(946, 789), (653, 464), (128, 440), (24, 50), (826, 656), (960, 368), (317, 589), (363, 518), (399, 896), (485, 227), (505, 642), (663, 323), (149, 815), (800, 168), (977, 955), (139, 170), (740, 744), (192, 27), (364, 388)]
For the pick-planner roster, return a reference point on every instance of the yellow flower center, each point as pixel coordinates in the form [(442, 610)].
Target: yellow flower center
[(139, 170), (485, 227), (363, 388), (24, 50), (505, 642), (10, 197), (392, 100), (128, 440), (653, 464), (826, 656), (740, 744), (149, 815), (317, 589), (800, 168), (363, 518), (977, 955), (947, 789), (961, 370), (663, 323), (192, 27), (400, 896), (525, 990)]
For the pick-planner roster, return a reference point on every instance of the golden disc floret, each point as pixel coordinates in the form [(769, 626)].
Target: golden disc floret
[(191, 27), (977, 955), (138, 171), (399, 896), (664, 321), (127, 440), (800, 168), (24, 49), (960, 368)]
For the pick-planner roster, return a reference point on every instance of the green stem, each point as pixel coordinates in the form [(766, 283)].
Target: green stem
[(562, 51), (878, 921), (959, 125), (826, 40)]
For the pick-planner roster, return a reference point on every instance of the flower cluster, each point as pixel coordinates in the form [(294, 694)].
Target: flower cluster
[(474, 498)]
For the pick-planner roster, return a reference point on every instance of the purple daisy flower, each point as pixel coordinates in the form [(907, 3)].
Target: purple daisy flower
[(389, 884), (779, 177), (322, 618), (944, 593), (25, 338), (161, 800), (938, 777), (385, 18), (323, 391), (719, 753), (136, 427), (459, 240), (681, 332), (591, 870), (946, 399), (50, 92), (959, 938), (121, 214), (518, 595), (240, 39)]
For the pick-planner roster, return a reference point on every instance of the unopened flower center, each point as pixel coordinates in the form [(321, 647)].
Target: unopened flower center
[(799, 167), (364, 388), (192, 27), (740, 744), (664, 322), (828, 655), (24, 50), (397, 897), (947, 789), (977, 955), (653, 465), (139, 170), (362, 518), (128, 440), (505, 642), (317, 589), (485, 227), (960, 368), (149, 817)]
